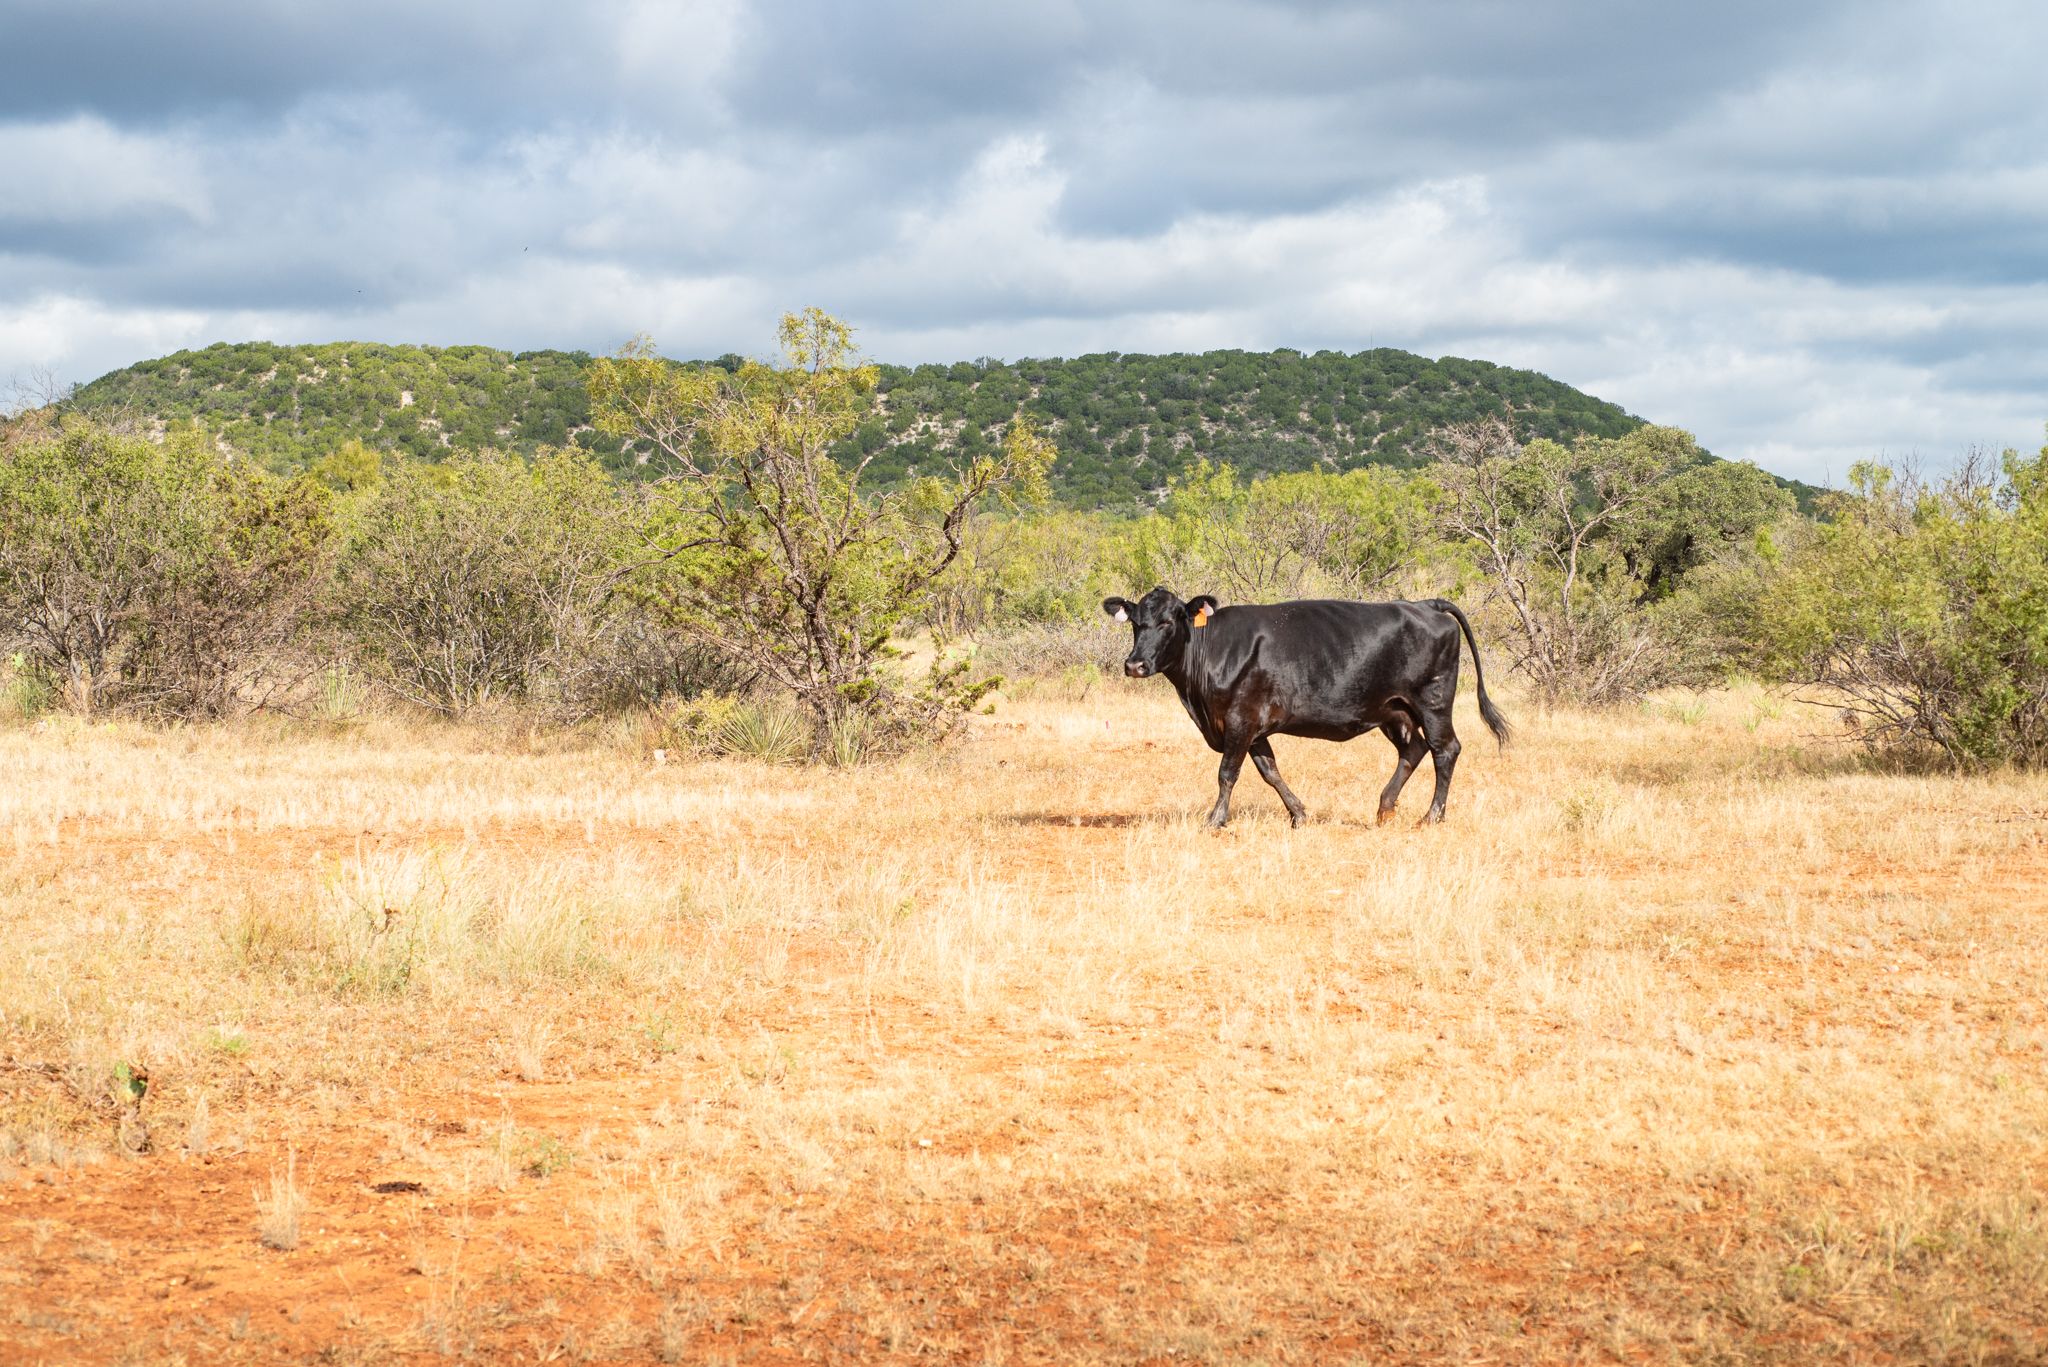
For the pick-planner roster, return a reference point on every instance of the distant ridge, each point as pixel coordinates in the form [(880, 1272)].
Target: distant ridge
[(1125, 424)]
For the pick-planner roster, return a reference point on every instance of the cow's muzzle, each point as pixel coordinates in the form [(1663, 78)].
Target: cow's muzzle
[(1137, 669)]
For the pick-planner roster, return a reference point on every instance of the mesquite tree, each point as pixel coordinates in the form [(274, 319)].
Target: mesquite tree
[(763, 545), (1583, 543)]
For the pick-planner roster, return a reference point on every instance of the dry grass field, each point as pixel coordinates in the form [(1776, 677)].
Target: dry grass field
[(1689, 1037)]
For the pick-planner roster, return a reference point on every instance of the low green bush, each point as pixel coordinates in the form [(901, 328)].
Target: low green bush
[(1924, 609), (167, 578)]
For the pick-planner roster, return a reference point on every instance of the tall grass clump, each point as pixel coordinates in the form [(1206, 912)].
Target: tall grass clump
[(280, 1210), (384, 923), (540, 929)]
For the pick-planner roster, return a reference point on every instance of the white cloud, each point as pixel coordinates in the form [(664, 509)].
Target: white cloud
[(676, 51), (71, 336), (630, 194), (83, 170)]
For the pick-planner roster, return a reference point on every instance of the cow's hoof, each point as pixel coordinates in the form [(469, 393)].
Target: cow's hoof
[(1386, 815), (1297, 819)]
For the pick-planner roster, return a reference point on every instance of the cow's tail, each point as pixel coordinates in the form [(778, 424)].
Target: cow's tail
[(1495, 722)]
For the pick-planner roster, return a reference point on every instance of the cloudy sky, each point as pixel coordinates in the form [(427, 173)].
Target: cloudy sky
[(1811, 233)]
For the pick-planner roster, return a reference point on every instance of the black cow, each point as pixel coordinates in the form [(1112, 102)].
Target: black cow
[(1321, 668)]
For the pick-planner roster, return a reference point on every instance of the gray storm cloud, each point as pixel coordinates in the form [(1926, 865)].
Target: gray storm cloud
[(1811, 234)]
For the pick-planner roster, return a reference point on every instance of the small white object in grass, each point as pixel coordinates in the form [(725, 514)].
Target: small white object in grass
[(924, 1143), (661, 756)]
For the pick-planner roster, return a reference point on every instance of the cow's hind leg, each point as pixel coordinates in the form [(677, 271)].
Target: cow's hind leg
[(1443, 752), (1234, 750), (1269, 770), (1408, 741)]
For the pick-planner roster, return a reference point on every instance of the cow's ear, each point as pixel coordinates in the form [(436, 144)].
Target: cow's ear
[(1118, 608), (1201, 608)]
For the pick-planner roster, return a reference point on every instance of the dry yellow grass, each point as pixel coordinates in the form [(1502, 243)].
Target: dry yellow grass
[(1688, 1038)]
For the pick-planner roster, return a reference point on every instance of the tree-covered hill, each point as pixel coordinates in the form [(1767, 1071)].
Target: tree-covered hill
[(1124, 424), (288, 406)]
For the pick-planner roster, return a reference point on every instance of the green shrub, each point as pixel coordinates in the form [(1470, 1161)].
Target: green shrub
[(338, 695), (165, 578), (1312, 534), (1588, 549), (1051, 567), (486, 578), (718, 724), (25, 693), (1084, 650), (1926, 608), (773, 553)]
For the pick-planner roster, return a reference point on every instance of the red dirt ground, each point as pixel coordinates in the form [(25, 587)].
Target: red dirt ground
[(152, 1258)]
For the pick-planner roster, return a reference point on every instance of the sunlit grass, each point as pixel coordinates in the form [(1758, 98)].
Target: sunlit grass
[(1689, 1035)]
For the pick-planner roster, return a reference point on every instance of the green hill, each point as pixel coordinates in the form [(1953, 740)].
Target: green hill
[(289, 405), (1124, 424)]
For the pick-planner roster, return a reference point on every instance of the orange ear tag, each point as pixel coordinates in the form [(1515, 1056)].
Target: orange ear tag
[(1202, 616)]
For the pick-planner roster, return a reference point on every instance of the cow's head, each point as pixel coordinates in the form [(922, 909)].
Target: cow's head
[(1160, 624)]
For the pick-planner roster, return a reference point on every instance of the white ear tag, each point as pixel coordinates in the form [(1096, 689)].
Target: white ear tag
[(1122, 616)]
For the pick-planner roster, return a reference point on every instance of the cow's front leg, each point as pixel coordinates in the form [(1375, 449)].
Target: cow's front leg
[(1269, 770), (1234, 751)]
